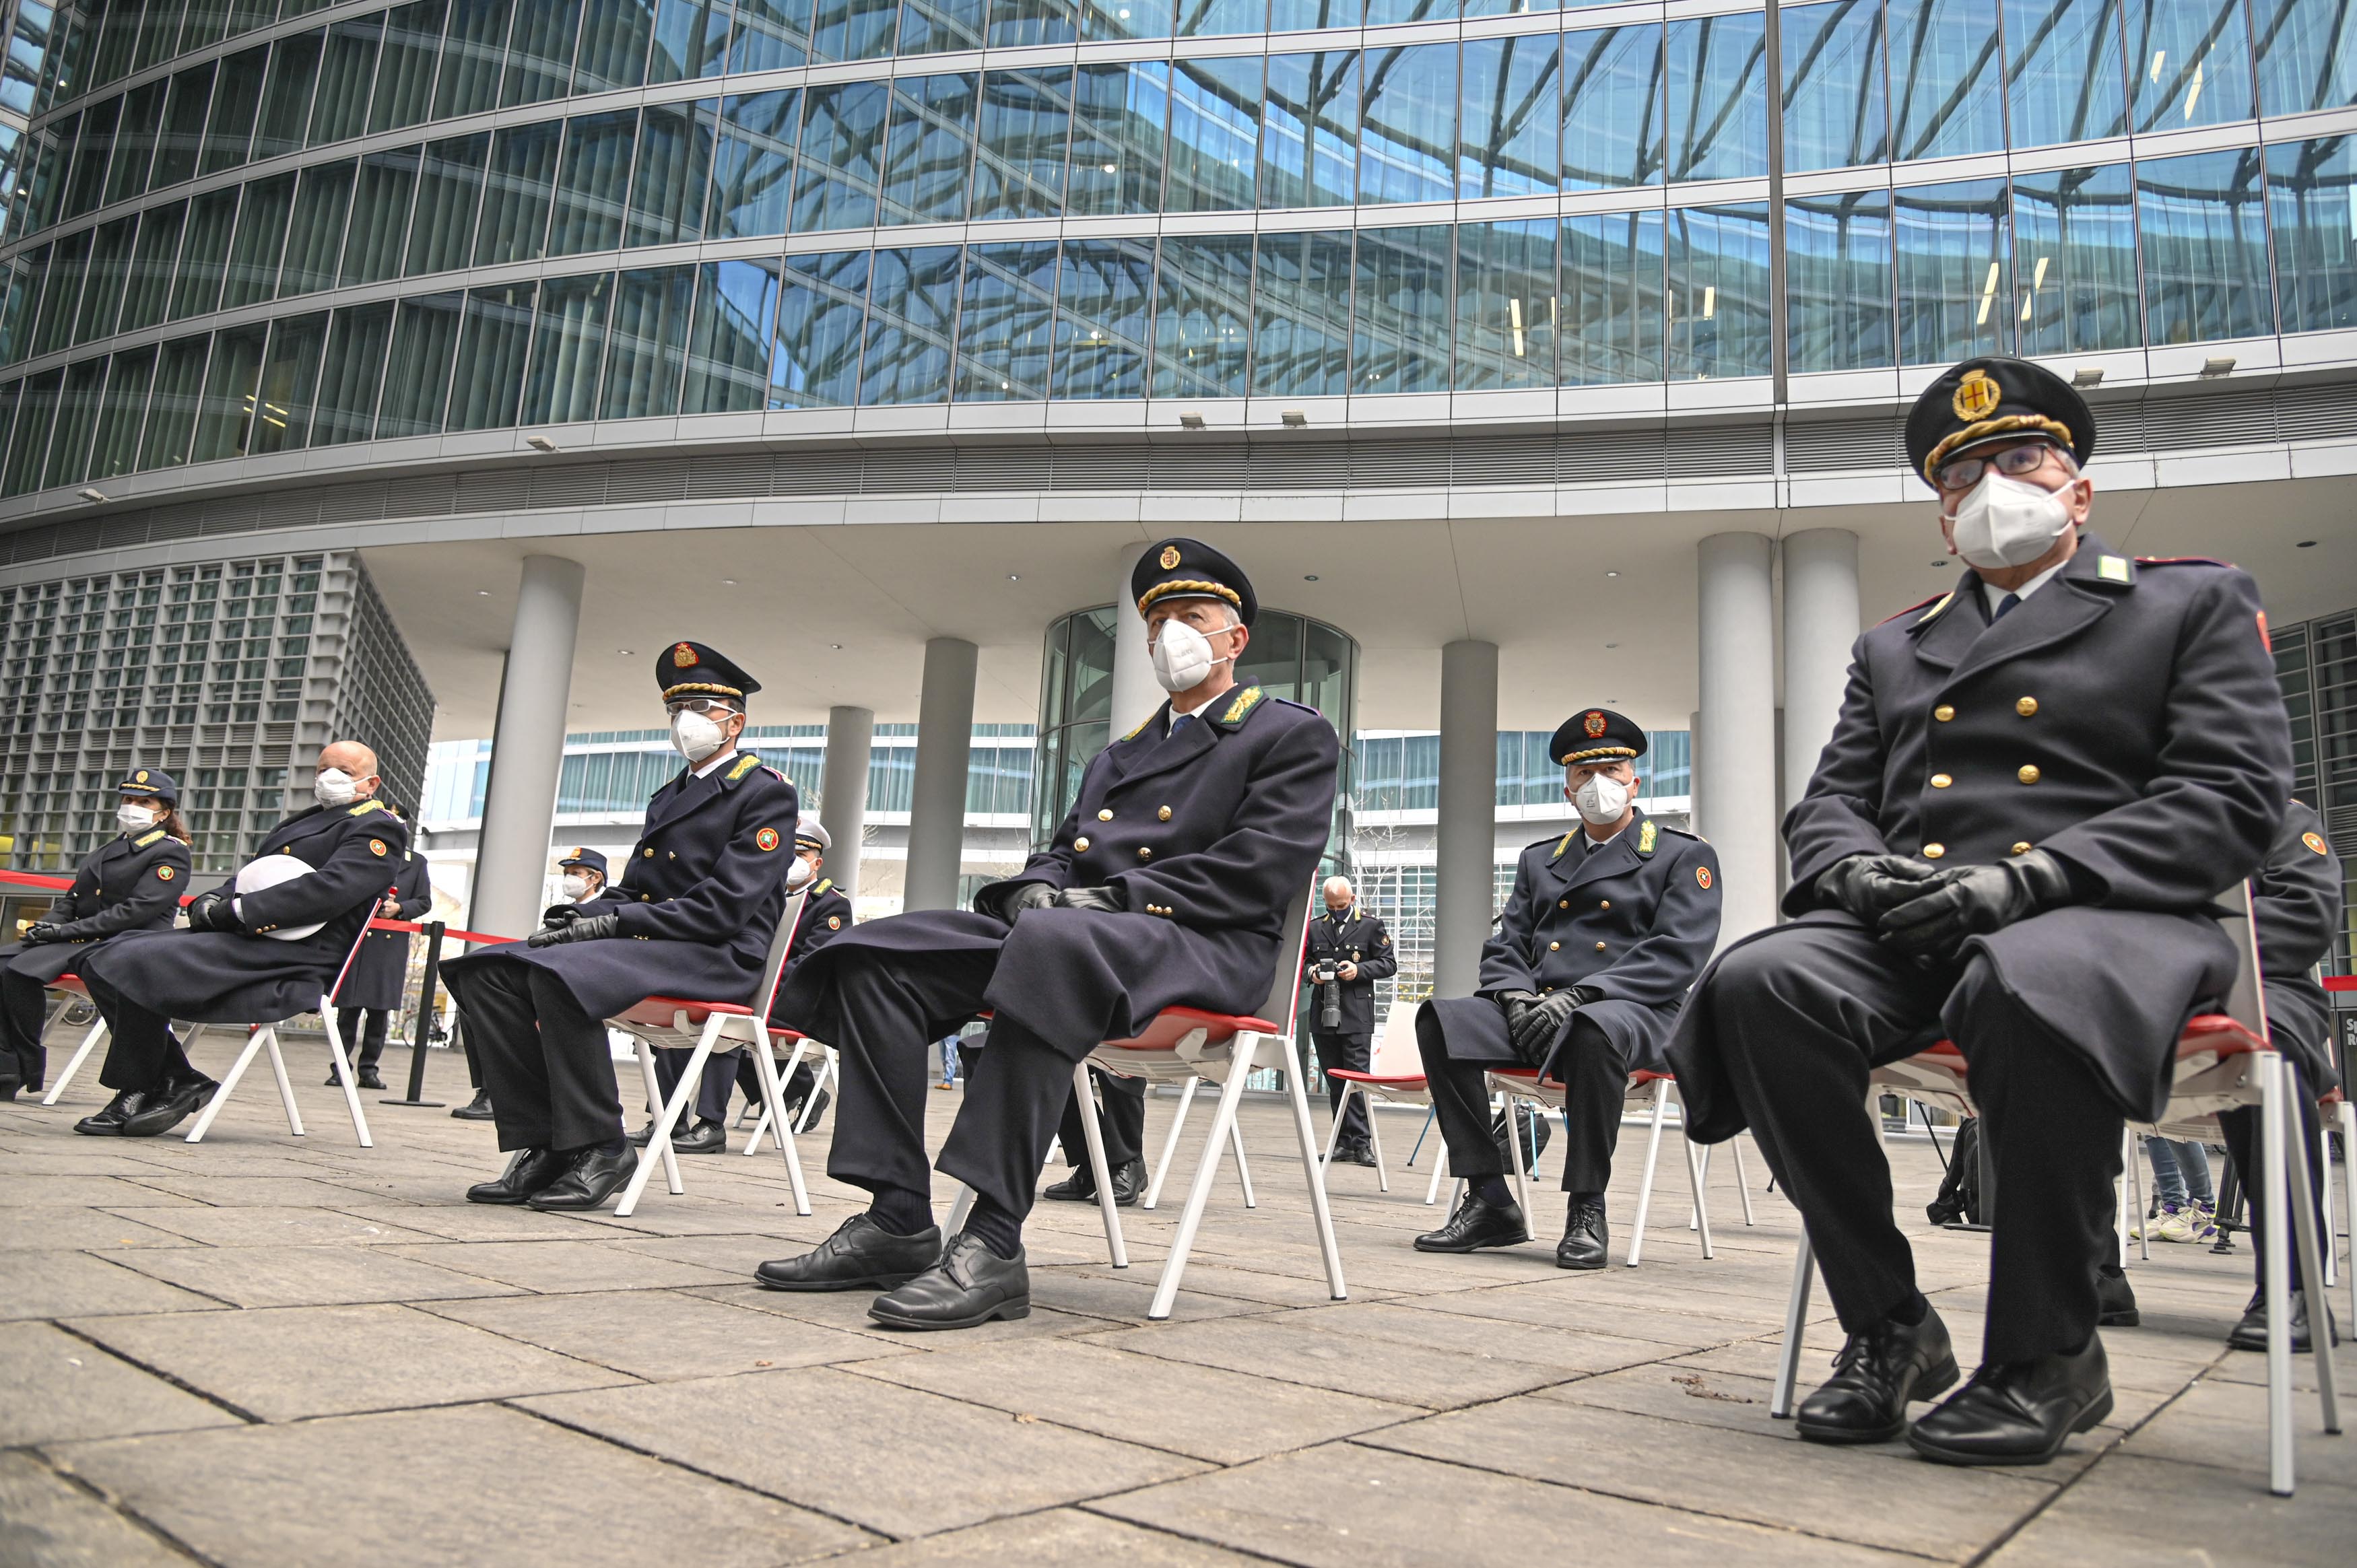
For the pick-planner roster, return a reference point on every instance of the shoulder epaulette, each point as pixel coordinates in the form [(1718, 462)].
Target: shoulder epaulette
[(773, 773), (1684, 834), (1560, 844), (1141, 728), (1246, 700), (2180, 561), (824, 882), (745, 764), (151, 838), (1937, 601), (365, 806)]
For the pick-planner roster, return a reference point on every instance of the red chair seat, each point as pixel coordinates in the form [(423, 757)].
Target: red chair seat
[(1172, 1023), (2203, 1032), (656, 1012), (1348, 1075), (70, 982)]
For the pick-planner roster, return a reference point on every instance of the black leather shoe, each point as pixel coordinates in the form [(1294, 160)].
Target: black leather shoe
[(594, 1177), (1128, 1183), (1081, 1186), (2115, 1302), (477, 1108), (529, 1171), (1874, 1375), (2250, 1334), (970, 1286), (372, 1079), (1476, 1225), (1587, 1238), (1355, 1153), (817, 1113), (860, 1255), (2018, 1413), (639, 1139), (107, 1122), (166, 1108), (706, 1137)]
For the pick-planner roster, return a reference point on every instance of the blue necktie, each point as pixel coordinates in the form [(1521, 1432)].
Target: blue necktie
[(1181, 722), (2005, 606)]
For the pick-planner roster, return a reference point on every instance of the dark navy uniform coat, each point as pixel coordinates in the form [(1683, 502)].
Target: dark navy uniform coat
[(1636, 918), (246, 977), (1358, 938), (826, 915), (128, 883), (699, 900), (2298, 910), (2126, 719), (1210, 834), (380, 973)]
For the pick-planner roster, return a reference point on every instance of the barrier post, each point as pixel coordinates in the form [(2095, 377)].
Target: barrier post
[(424, 1025)]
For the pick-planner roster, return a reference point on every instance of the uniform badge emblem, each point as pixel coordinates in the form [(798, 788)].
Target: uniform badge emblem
[(684, 656), (2316, 842), (163, 873), (1170, 556), (140, 776), (1594, 725), (1702, 877), (376, 846), (1976, 396), (834, 922), (767, 838)]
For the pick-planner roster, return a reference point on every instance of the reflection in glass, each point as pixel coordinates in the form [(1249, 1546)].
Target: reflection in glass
[(675, 165), (1718, 97), (2074, 261), (261, 237), (1203, 316), (646, 350), (1102, 292), (1507, 119), (539, 51), (1613, 113), (2190, 61), (592, 179), (1833, 113), (388, 181), (1954, 244), (2307, 54), (29, 441), (1309, 131), (2204, 247), (172, 408), (315, 235), (449, 187), (516, 196), (728, 349), (102, 291), (691, 40), (1399, 333), (1214, 134), (290, 378), (1837, 281), (237, 97), (148, 289), (1718, 296), (936, 26), (341, 109), (1119, 116), (135, 142), (204, 255), (2064, 70), (1018, 24), (753, 169), (285, 96), (225, 416), (911, 316), (1301, 315), (1005, 326), (842, 155), (854, 29), (359, 339), (488, 374), (929, 149), (1945, 91), (404, 72), (1126, 19), (417, 378), (1205, 18), (770, 35), (1407, 136), (2315, 223), (568, 343), (1506, 308), (1612, 296), (614, 36), (1018, 171), (816, 363), (77, 422), (117, 448), (468, 83), (181, 141)]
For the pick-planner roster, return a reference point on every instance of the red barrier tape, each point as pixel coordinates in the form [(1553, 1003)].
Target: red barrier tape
[(2340, 983), (33, 879)]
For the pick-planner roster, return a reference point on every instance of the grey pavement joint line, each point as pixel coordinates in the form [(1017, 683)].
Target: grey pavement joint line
[(122, 1509), (158, 1373)]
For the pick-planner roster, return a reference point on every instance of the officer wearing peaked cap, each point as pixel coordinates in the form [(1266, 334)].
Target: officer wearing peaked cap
[(2036, 785), (691, 915), (1167, 885), (1605, 929)]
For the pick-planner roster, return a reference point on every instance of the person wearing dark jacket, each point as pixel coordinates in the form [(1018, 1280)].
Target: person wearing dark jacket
[(131, 883), (1167, 883), (2036, 785), (585, 876), (372, 991), (1354, 945), (253, 957), (826, 915)]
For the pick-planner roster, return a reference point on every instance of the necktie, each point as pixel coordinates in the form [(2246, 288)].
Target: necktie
[(1182, 722), (2005, 606)]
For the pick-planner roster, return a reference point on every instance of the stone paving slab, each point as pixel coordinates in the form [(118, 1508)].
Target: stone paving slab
[(56, 1386), (74, 1228), (300, 1276), (1060, 1538), (2150, 1512), (273, 1225), (49, 1284), (665, 1336), (47, 1522)]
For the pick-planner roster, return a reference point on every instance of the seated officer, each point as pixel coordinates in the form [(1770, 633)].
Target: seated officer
[(130, 883), (2035, 787), (229, 966), (1606, 929), (1360, 950), (1167, 885), (692, 917)]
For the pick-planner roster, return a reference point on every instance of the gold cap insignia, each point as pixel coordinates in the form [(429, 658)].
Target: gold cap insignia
[(767, 838), (684, 656), (2316, 842), (1594, 725), (140, 776), (1170, 556), (1976, 396)]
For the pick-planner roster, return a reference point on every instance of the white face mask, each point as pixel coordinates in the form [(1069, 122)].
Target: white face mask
[(133, 819), (576, 889), (799, 875), (1182, 657), (2007, 523), (334, 786), (1601, 799), (696, 737)]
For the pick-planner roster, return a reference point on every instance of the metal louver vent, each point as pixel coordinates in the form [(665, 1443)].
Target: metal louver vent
[(1525, 460), (1031, 468), (939, 468), (2316, 413), (576, 484), (1208, 466), (815, 474), (352, 503), (717, 478), (499, 491), (2217, 419), (664, 479), (1816, 448), (1109, 468), (1299, 466), (1583, 455), (426, 495), (1721, 451)]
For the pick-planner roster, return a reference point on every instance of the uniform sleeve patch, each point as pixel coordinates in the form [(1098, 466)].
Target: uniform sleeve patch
[(163, 873), (376, 846), (2316, 842), (1702, 877), (767, 838), (834, 922)]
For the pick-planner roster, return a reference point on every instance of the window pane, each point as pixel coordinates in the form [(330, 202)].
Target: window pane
[(1205, 18), (1837, 281), (1612, 295), (345, 75), (1019, 164), (911, 317), (77, 422), (1003, 327), (380, 216), (1119, 114), (691, 40), (1101, 303), (2064, 73), (1301, 320), (1952, 245), (614, 37), (315, 239), (225, 417), (117, 449), (2205, 248), (1214, 134), (2074, 261), (135, 141), (1408, 138), (30, 442), (358, 341), (936, 26), (148, 289), (674, 166), (1309, 131), (488, 372), (753, 168), (449, 187), (405, 76), (183, 136), (1833, 115), (1718, 299), (2307, 54), (1507, 119), (471, 51), (592, 181), (516, 194), (172, 409), (1718, 97), (2315, 223), (424, 339), (1506, 309), (842, 155), (728, 348), (647, 350), (261, 238), (819, 314), (2191, 60), (290, 379), (287, 95), (68, 267), (1301, 15), (237, 97), (203, 254), (1015, 24), (568, 344), (1385, 13), (854, 29), (929, 148), (1134, 19), (102, 293), (770, 35), (539, 51), (1203, 316), (1399, 335)]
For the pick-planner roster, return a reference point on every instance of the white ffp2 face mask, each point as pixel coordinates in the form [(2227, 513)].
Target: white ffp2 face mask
[(2007, 523), (1601, 800), (695, 737), (334, 786), (576, 889), (133, 819), (1182, 657), (800, 875)]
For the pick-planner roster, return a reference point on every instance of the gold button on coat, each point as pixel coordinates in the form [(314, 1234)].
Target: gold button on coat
[(2022, 848), (1934, 851), (1599, 947), (2026, 706), (650, 853), (1941, 781), (2029, 773), (1944, 712), (1144, 853), (1563, 904), (1606, 905), (1081, 845), (1163, 815), (1106, 815)]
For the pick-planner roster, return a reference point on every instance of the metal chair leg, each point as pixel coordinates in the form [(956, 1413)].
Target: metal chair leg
[(253, 1044), (1334, 1130), (2120, 1192), (82, 1054), (1374, 1141), (2135, 1185), (1243, 1169), (2275, 1261), (960, 1207), (1515, 1168), (646, 1054), (1320, 1211), (753, 1144), (691, 1077), (773, 1113), (1796, 1320), (2303, 1210), (1190, 1218), (1420, 1134), (285, 1087), (1170, 1144), (1645, 1187), (344, 1073), (1085, 1098), (1440, 1174), (1698, 1166), (1742, 1178)]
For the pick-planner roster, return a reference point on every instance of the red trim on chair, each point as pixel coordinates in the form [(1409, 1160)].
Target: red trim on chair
[(1348, 1075), (1171, 1023), (655, 1012)]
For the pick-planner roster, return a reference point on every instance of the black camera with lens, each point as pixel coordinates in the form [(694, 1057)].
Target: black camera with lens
[(1326, 974)]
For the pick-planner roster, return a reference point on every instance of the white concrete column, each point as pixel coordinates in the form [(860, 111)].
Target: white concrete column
[(1465, 877), (1820, 618), (850, 734), (937, 800), (528, 748), (1135, 694), (1734, 748)]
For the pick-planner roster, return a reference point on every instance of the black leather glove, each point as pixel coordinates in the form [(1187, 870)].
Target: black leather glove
[(1543, 1020), (1514, 1005), (1870, 886), (585, 929), (1107, 899), (1005, 901), (1974, 900), (557, 915), (212, 912), (41, 931)]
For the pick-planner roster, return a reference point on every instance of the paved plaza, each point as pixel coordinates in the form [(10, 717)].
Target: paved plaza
[(267, 1350)]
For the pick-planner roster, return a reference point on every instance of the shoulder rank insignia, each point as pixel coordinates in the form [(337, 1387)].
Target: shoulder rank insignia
[(1938, 601), (824, 882), (2115, 569), (745, 764), (142, 842), (1140, 729), (365, 806), (1246, 700), (1563, 843), (1647, 835)]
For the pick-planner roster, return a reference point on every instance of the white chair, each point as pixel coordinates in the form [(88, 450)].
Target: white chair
[(71, 985), (828, 1070), (1395, 1076), (265, 1037), (673, 1022)]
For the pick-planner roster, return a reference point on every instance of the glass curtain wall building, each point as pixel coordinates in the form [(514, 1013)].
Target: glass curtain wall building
[(243, 227)]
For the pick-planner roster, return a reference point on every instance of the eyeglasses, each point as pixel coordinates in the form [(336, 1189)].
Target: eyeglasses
[(2011, 461), (704, 706)]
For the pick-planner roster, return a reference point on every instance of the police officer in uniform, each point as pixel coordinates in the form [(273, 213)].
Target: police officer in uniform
[(1605, 929), (229, 966), (2036, 785), (131, 883), (691, 916), (379, 971), (1359, 949), (1167, 885)]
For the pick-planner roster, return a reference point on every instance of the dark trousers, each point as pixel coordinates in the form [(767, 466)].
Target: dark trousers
[(1122, 1115), (363, 1030), (712, 1093), (1594, 1076), (141, 1050), (882, 1012), (796, 1090), (2242, 1145), (1348, 1051), (545, 1061), (1806, 1010), (23, 1014), (467, 1046)]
